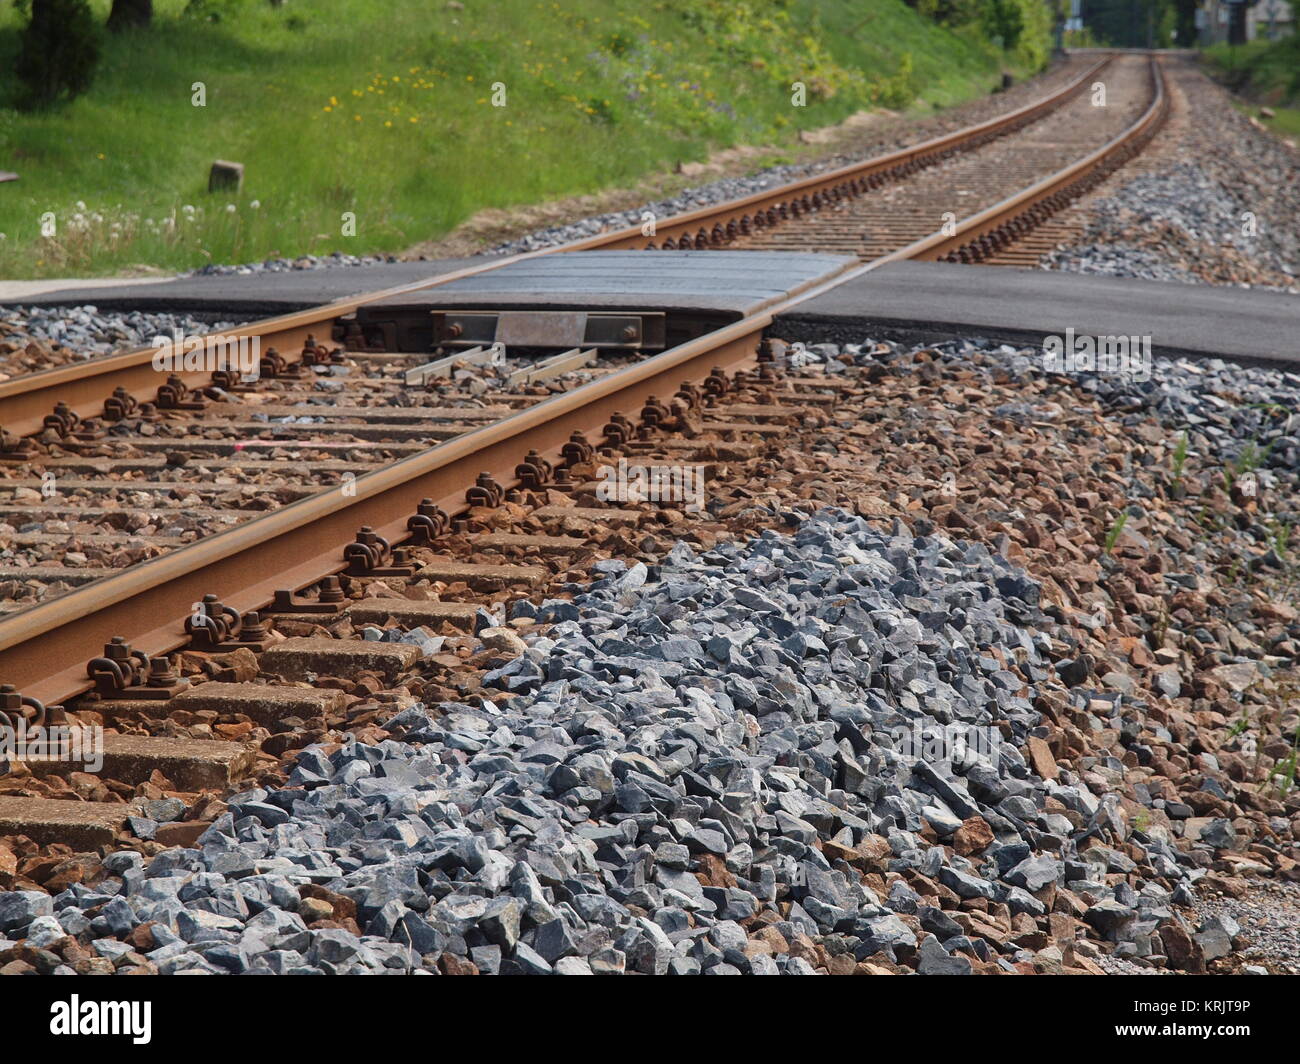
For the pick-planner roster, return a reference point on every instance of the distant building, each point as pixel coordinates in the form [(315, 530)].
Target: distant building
[(1265, 21)]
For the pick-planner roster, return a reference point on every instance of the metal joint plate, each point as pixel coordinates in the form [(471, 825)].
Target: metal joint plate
[(563, 329)]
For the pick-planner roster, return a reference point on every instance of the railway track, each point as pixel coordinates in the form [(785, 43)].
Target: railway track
[(167, 479), (408, 495), (26, 401), (958, 187)]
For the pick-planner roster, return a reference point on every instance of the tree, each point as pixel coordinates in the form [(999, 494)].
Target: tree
[(129, 14), (57, 52), (1004, 20)]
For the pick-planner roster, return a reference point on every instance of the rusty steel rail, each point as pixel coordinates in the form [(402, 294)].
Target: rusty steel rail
[(1002, 224), (44, 649), (712, 226), (26, 400)]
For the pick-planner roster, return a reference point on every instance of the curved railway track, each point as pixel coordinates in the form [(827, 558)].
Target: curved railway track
[(395, 506)]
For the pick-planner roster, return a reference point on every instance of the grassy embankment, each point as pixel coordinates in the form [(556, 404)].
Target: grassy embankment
[(1267, 73), (384, 109)]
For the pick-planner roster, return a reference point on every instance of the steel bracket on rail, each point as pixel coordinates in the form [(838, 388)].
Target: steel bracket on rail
[(654, 413), (122, 405), (176, 395), (486, 492), (274, 366), (215, 628), (17, 449), (314, 353), (67, 424), (229, 380), (329, 601), (372, 555), (428, 523), (28, 718), (17, 710), (717, 383), (535, 472), (619, 430), (125, 673), (690, 395), (577, 450)]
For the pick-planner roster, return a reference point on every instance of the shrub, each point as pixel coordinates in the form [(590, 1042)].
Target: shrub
[(57, 53), (130, 14), (1003, 19)]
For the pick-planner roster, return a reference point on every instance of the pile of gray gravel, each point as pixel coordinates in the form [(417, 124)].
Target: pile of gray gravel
[(1248, 415), (1117, 260), (767, 707), (1184, 198), (1269, 915), (706, 747), (1242, 418), (302, 262), (1184, 217), (87, 331)]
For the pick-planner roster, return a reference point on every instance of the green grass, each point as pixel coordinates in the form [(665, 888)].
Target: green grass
[(383, 108), (1116, 529), (1180, 457), (1266, 72), (1285, 120)]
